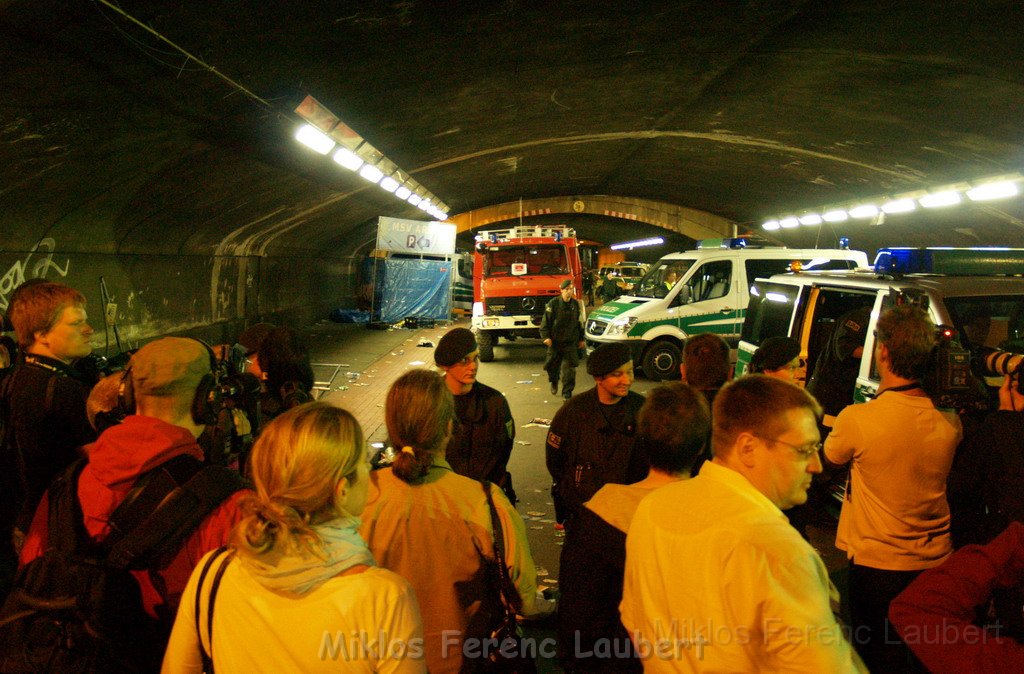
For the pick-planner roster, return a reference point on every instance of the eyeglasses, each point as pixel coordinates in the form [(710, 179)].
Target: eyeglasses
[(803, 451)]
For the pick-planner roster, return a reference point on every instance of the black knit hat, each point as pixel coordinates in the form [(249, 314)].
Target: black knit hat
[(565, 284), (773, 353), (456, 344), (606, 358)]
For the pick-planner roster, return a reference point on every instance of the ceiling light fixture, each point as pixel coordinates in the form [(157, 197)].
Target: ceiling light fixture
[(864, 211), (348, 159), (324, 131), (996, 187), (630, 245), (899, 206), (940, 199), (314, 139), (811, 219), (995, 190)]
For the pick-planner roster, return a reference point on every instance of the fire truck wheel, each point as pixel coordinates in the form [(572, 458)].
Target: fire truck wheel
[(485, 340), (661, 361)]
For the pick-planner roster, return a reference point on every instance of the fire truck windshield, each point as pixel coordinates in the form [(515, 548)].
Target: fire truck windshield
[(539, 261)]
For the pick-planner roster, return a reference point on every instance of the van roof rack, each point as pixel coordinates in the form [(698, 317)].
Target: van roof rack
[(556, 232)]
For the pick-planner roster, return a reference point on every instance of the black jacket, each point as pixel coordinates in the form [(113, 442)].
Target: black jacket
[(562, 322), (591, 444), (481, 441)]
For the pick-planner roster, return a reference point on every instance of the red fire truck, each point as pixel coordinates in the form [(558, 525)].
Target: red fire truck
[(515, 272)]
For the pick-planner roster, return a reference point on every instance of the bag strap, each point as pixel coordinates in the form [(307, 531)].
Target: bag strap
[(207, 657), (509, 595), (176, 516), (65, 523)]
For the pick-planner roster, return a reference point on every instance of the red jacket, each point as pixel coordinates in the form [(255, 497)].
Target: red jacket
[(121, 455), (935, 614)]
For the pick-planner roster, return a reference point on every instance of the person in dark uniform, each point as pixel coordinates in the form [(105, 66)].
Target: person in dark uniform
[(835, 373), (481, 441), (561, 328), (45, 421), (591, 439)]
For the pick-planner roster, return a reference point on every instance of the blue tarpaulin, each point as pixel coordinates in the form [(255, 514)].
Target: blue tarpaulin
[(408, 287)]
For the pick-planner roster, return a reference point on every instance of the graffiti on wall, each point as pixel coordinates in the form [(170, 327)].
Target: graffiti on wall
[(37, 264)]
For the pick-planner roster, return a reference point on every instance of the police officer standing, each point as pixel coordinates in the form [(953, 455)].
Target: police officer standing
[(561, 328), (591, 439), (481, 441)]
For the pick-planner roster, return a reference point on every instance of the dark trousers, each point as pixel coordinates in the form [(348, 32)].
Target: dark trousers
[(874, 637), (563, 358)]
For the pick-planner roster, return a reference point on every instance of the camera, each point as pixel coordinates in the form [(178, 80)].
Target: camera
[(950, 375), (992, 362)]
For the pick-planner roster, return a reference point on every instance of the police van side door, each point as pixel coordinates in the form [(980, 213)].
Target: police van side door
[(708, 300)]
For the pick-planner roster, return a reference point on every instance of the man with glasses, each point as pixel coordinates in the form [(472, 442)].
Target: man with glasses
[(895, 520), (716, 578)]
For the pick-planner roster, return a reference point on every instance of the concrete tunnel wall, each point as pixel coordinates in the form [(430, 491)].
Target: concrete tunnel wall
[(209, 296)]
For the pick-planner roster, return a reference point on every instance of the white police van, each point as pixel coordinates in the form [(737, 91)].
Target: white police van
[(976, 294), (702, 290)]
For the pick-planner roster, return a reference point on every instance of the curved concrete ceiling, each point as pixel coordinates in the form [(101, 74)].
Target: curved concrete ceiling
[(113, 143)]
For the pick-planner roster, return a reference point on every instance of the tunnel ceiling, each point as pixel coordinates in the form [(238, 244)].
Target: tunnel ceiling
[(112, 141)]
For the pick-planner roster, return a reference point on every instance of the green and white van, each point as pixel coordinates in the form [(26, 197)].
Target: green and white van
[(702, 290)]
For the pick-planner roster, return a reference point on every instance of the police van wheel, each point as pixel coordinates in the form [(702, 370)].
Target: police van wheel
[(485, 340), (661, 361)]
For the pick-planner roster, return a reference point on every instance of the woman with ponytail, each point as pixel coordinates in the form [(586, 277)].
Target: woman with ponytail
[(433, 527), (300, 590)]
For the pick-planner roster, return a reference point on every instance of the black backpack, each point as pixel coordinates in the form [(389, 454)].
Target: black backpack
[(78, 608)]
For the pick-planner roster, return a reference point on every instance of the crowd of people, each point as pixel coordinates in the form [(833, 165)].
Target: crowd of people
[(284, 550)]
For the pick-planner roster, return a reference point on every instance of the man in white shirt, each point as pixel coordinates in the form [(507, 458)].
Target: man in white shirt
[(716, 579)]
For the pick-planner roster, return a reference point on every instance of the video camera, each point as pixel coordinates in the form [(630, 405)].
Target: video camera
[(954, 375)]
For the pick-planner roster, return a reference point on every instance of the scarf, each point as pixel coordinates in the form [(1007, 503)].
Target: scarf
[(342, 549)]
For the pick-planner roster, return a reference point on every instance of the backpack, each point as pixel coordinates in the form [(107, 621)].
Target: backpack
[(78, 608)]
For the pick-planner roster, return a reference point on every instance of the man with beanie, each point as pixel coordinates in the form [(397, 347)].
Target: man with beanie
[(481, 441), (168, 381), (777, 357), (561, 328), (591, 439)]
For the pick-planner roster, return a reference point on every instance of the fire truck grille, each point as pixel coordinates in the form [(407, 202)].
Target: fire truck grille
[(511, 306)]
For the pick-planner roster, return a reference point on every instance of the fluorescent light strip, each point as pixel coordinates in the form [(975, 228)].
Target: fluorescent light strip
[(403, 193), (348, 159), (835, 216), (811, 219), (389, 184), (314, 139), (770, 225), (940, 199), (789, 223), (414, 199), (999, 190), (899, 206), (864, 211), (371, 173), (629, 245)]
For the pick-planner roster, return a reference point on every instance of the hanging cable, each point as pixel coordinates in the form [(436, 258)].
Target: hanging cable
[(199, 61)]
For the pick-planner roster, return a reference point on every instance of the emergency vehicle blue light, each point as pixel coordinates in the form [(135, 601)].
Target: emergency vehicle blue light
[(950, 261), (721, 243)]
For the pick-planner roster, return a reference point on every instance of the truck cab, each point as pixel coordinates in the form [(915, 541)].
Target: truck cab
[(515, 273)]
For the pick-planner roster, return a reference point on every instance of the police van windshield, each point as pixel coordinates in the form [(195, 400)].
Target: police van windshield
[(538, 260), (660, 278)]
